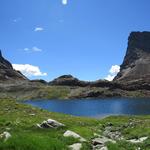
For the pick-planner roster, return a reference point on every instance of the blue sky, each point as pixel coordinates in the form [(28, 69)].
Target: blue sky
[(81, 37)]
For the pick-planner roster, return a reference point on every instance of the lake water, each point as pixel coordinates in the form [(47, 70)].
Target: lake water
[(95, 107)]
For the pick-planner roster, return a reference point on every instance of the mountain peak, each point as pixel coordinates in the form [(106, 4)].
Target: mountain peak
[(7, 72), (139, 40), (136, 63)]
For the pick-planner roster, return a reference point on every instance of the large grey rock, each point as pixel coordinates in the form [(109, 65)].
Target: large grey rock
[(115, 135), (76, 146), (103, 148), (102, 140), (69, 133), (140, 140), (5, 136), (50, 123), (99, 143)]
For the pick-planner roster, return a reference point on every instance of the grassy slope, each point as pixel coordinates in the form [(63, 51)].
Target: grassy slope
[(39, 91), (21, 124), (26, 92), (25, 134)]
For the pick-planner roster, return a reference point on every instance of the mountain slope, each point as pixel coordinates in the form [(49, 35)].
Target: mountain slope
[(7, 73), (136, 64)]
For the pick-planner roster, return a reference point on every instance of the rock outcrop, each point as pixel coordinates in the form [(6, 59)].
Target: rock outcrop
[(100, 143), (7, 73), (39, 81), (5, 136), (68, 80), (50, 123), (76, 146), (69, 133), (136, 64), (140, 140)]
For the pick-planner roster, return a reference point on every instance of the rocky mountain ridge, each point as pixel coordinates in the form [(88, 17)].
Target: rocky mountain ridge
[(136, 63), (7, 73)]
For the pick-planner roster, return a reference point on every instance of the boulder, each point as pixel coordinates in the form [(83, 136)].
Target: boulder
[(99, 147), (103, 148), (76, 146), (112, 134), (99, 143), (69, 133), (5, 136), (102, 140), (50, 123), (140, 140)]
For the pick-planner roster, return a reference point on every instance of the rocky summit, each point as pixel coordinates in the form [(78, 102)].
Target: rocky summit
[(68, 80), (7, 73), (136, 64)]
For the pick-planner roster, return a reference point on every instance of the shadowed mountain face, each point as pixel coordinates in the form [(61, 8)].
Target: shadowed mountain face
[(7, 72), (136, 64)]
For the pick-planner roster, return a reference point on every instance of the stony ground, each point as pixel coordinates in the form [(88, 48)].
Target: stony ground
[(23, 127), (26, 91)]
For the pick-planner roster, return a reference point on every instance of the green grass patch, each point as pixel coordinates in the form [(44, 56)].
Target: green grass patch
[(16, 118)]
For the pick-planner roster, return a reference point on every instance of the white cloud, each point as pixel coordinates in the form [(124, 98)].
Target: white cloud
[(64, 2), (26, 49), (113, 72), (33, 49), (38, 29), (114, 69), (29, 70), (110, 77)]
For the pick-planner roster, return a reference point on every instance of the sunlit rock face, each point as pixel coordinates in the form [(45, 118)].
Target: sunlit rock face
[(136, 64), (7, 73)]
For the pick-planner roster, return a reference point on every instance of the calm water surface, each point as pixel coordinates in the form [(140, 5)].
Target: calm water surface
[(95, 107)]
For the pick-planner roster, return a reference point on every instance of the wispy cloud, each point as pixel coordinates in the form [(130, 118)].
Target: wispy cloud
[(29, 70), (33, 49), (17, 20), (61, 20), (36, 49), (38, 29), (113, 72), (64, 2)]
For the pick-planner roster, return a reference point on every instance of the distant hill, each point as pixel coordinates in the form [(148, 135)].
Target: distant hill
[(69, 80)]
